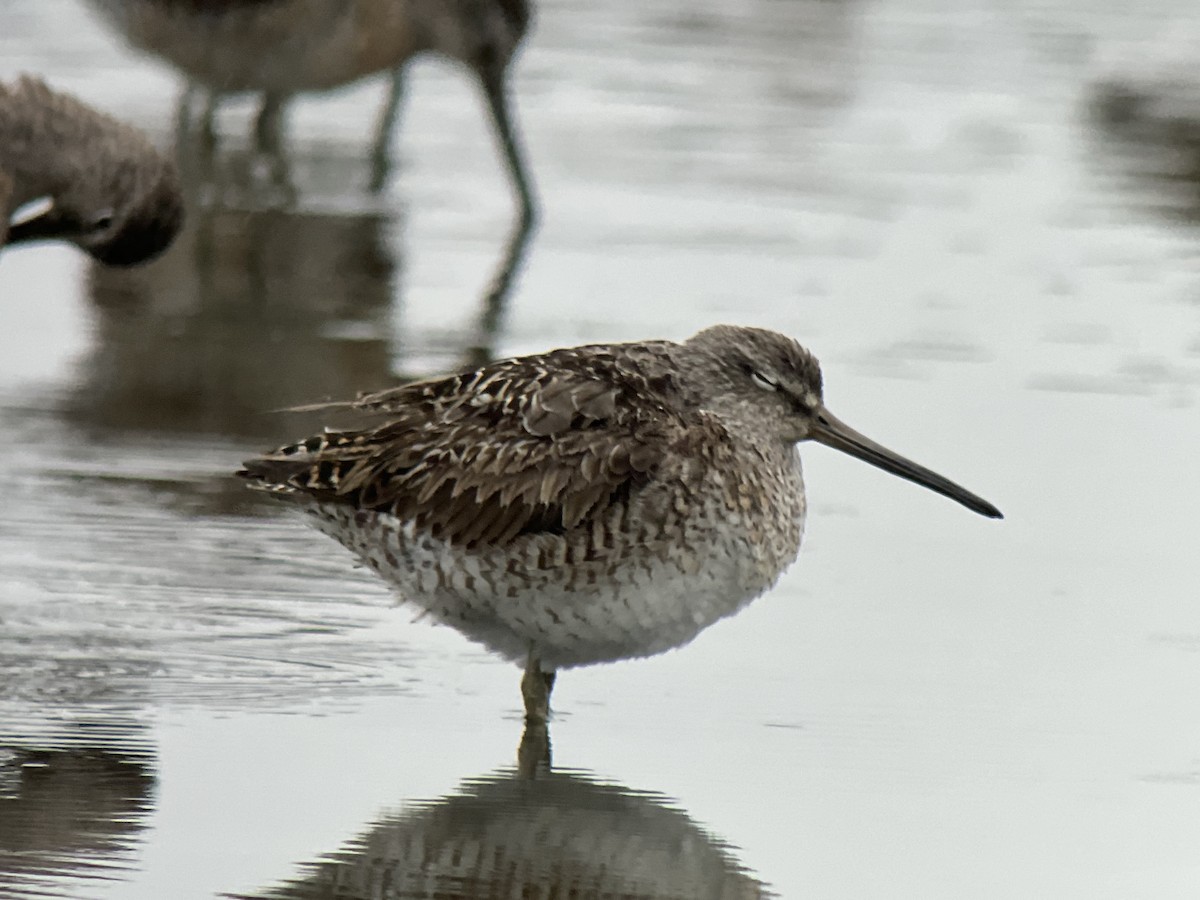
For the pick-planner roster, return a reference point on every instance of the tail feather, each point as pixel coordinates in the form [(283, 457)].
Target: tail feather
[(312, 466)]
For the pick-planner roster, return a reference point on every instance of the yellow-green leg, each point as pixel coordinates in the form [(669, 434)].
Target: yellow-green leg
[(536, 686)]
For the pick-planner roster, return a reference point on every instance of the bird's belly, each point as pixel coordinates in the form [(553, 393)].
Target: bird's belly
[(314, 45), (533, 595)]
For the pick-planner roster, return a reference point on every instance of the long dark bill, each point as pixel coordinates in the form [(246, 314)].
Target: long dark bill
[(833, 432), (43, 226)]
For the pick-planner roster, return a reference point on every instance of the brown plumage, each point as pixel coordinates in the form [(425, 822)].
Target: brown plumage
[(587, 504), (538, 443), (106, 188)]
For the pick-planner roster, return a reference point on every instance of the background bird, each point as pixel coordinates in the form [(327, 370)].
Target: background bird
[(103, 184), (278, 48)]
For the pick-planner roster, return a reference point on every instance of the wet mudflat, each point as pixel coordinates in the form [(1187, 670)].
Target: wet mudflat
[(992, 250)]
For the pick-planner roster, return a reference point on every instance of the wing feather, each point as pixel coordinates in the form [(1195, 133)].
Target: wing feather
[(533, 444)]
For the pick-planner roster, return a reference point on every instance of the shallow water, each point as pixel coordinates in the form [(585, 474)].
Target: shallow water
[(998, 266)]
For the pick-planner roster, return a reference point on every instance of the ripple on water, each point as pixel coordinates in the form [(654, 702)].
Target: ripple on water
[(76, 794), (120, 587)]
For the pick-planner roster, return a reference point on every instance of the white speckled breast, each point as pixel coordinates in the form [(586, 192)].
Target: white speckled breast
[(649, 576)]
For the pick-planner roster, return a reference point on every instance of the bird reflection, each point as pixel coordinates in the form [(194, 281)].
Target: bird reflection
[(530, 832), (1149, 135), (70, 809), (251, 311)]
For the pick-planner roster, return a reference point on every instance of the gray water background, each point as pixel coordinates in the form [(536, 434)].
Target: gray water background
[(995, 261)]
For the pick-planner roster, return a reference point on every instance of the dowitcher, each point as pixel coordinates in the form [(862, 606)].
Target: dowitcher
[(588, 504), (101, 183), (278, 48)]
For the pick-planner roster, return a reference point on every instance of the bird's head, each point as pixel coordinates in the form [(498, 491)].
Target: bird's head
[(121, 218), (766, 385)]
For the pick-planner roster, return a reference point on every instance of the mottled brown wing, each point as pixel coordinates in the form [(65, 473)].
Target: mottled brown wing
[(536, 444)]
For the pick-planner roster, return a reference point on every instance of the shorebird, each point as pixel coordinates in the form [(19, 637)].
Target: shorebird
[(278, 48), (588, 504), (101, 183)]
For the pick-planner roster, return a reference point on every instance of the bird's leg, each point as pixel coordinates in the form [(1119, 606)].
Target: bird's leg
[(183, 113), (206, 130), (495, 298), (268, 127), (535, 688), (269, 142), (195, 138), (494, 90), (497, 98), (381, 161)]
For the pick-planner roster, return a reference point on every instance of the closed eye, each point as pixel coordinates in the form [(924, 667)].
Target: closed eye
[(101, 220), (762, 381)]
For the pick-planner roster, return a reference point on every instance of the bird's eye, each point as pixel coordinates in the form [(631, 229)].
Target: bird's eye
[(101, 220), (762, 381)]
